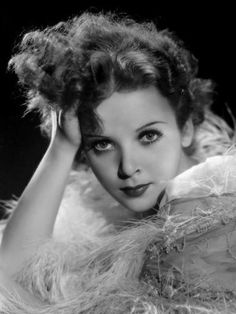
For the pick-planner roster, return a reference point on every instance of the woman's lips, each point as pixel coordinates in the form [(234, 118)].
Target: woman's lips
[(136, 191)]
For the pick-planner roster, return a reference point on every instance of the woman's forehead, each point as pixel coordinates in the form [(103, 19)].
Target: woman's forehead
[(134, 108)]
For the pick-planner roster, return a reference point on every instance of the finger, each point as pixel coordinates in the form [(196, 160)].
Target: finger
[(65, 117), (54, 121), (60, 118), (71, 113)]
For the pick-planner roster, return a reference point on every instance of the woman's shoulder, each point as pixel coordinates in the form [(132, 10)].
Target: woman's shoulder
[(216, 175)]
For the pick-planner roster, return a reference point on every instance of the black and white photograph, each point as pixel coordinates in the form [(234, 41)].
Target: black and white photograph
[(118, 158)]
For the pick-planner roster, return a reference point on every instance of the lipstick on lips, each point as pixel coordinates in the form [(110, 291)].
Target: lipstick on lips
[(135, 191)]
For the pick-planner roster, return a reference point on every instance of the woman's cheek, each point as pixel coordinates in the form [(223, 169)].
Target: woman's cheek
[(102, 168), (165, 160)]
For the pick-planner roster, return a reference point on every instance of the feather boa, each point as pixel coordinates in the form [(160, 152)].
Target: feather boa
[(148, 266)]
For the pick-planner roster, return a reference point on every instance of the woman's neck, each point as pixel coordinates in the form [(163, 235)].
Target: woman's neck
[(186, 163)]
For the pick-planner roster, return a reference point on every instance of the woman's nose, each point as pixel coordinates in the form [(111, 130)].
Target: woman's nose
[(128, 165)]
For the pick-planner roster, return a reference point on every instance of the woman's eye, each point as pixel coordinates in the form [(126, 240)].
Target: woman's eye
[(102, 146), (150, 136)]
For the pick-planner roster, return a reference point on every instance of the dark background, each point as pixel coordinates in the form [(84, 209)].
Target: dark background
[(209, 32)]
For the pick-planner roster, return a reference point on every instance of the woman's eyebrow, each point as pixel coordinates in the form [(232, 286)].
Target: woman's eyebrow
[(148, 124), (137, 130), (94, 135)]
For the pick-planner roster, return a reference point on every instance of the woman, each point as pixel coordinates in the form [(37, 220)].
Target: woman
[(123, 100)]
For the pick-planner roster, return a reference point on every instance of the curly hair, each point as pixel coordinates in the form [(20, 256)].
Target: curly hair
[(81, 62)]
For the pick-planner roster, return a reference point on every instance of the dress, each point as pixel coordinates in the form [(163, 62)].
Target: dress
[(180, 260)]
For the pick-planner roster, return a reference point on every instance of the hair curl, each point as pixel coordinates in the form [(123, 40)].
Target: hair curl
[(81, 62)]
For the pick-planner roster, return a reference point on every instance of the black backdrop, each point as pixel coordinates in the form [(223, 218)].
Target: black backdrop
[(207, 31)]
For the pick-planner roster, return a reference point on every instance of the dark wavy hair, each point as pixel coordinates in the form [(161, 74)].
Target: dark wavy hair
[(81, 62)]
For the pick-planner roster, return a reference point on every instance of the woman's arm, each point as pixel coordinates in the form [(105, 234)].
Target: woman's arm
[(34, 217)]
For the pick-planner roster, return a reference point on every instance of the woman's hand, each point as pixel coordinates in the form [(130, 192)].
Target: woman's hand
[(66, 129)]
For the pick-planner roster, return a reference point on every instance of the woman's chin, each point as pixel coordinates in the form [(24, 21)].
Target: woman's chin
[(139, 206)]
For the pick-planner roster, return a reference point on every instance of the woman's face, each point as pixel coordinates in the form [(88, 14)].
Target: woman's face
[(140, 144)]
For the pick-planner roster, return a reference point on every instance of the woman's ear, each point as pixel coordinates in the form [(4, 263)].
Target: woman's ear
[(187, 133)]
